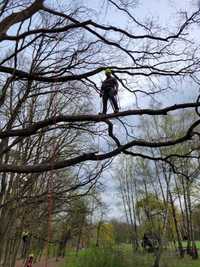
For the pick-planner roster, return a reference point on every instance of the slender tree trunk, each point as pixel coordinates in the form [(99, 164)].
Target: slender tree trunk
[(194, 252), (180, 247)]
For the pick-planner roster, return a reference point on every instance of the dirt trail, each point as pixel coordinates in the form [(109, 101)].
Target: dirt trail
[(51, 263)]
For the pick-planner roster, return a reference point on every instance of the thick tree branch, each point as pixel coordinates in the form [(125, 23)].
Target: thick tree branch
[(19, 17), (45, 31), (92, 118), (43, 167)]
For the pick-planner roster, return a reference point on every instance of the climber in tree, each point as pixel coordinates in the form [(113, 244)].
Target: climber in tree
[(109, 90)]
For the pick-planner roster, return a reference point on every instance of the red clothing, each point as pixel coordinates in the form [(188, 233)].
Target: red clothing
[(29, 262)]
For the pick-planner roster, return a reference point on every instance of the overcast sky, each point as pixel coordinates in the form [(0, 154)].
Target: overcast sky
[(164, 13)]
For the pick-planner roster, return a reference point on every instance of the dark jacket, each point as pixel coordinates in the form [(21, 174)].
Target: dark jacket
[(109, 83)]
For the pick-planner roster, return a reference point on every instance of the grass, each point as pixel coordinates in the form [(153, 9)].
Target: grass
[(177, 262), (96, 257), (184, 243), (124, 257)]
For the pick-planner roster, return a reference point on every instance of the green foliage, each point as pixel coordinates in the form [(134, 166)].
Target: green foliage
[(152, 203), (121, 232), (152, 211), (177, 262), (124, 257), (97, 257), (107, 233)]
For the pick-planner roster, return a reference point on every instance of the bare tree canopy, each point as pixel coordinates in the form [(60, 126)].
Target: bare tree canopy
[(54, 55), (56, 145)]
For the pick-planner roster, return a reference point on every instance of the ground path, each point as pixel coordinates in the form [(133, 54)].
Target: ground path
[(51, 263)]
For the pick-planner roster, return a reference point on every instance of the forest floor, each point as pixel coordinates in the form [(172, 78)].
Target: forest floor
[(51, 263)]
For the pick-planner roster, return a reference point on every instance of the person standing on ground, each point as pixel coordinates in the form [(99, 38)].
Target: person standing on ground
[(25, 243), (29, 262), (109, 90)]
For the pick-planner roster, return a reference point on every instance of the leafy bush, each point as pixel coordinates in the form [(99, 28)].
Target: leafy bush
[(111, 256), (97, 257)]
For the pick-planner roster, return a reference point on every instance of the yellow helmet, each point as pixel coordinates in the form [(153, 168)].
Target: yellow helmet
[(108, 71)]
